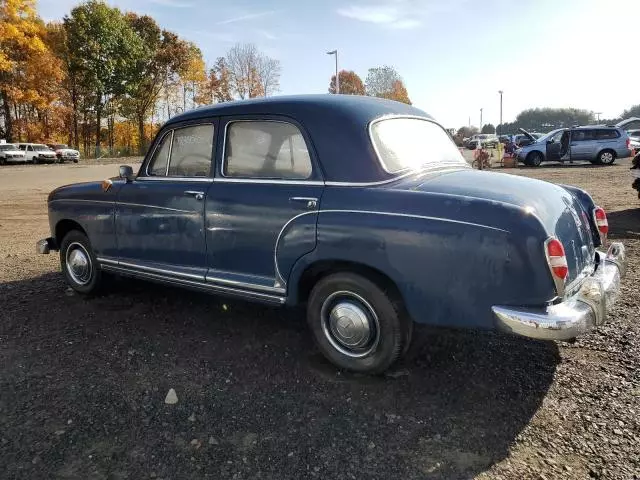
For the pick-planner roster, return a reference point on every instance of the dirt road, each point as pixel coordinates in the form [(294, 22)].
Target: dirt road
[(83, 381)]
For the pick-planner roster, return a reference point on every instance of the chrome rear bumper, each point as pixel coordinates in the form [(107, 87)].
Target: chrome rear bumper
[(575, 315)]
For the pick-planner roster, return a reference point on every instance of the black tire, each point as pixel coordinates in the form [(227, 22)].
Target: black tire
[(35, 161), (534, 159), (606, 157), (389, 332), (83, 280), (3, 161), (75, 161)]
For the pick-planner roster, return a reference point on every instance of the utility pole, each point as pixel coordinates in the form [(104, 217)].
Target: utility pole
[(481, 119), (598, 115), (335, 52), (500, 92)]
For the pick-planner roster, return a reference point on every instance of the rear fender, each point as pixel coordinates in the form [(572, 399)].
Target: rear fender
[(588, 205)]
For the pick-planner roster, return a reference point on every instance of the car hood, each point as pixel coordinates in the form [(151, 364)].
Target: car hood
[(528, 135), (13, 152)]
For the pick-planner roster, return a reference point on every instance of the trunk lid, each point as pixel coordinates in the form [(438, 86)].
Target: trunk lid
[(559, 211)]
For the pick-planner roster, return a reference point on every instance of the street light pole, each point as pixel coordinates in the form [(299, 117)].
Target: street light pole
[(335, 52), (500, 92), (481, 119)]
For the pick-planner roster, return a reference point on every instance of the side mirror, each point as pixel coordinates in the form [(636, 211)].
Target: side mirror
[(549, 141), (126, 173)]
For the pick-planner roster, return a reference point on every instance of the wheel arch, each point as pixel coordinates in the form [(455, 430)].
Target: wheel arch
[(65, 226), (316, 271), (534, 152), (606, 149)]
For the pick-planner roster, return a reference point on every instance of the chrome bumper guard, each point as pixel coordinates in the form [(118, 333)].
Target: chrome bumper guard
[(45, 246), (575, 315)]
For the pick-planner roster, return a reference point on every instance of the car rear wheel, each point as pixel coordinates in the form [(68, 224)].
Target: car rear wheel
[(606, 157), (34, 160), (356, 324), (2, 161), (79, 264), (534, 159)]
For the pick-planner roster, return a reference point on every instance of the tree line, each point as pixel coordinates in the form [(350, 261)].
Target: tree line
[(62, 81), (543, 120), (383, 82)]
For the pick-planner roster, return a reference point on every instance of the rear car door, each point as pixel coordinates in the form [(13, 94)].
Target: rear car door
[(160, 215), (263, 207), (583, 143)]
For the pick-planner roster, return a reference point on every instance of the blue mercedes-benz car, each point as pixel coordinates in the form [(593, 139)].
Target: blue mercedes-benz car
[(360, 208)]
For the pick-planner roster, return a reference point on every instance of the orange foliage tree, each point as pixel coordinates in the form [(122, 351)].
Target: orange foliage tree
[(350, 83)]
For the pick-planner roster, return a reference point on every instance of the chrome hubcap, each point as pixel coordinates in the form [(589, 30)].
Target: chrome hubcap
[(79, 264), (350, 324), (607, 157)]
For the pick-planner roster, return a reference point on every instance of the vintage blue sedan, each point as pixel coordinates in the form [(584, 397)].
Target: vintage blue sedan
[(360, 208)]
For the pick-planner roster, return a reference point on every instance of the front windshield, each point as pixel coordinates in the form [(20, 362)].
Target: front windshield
[(412, 143), (41, 147)]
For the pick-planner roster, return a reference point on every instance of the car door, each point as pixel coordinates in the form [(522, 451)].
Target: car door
[(582, 144), (263, 207), (160, 215), (554, 147)]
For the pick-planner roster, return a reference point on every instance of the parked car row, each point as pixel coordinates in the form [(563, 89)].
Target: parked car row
[(37, 153), (486, 140)]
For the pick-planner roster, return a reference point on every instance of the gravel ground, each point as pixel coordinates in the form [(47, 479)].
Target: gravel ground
[(83, 381)]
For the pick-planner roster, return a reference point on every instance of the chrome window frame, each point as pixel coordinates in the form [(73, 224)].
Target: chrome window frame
[(246, 179), (407, 169), (183, 178)]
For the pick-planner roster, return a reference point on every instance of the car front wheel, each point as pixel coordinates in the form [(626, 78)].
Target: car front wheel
[(534, 159), (79, 264), (356, 325)]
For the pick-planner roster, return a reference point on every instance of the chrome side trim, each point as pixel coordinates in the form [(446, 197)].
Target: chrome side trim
[(278, 300), (391, 117), (248, 286), (280, 281), (107, 261), (268, 180), (82, 200), (158, 207), (161, 271), (411, 215), (175, 179)]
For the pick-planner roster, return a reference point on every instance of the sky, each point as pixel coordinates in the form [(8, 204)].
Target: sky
[(453, 55)]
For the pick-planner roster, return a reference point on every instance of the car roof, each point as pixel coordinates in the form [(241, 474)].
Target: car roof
[(338, 127)]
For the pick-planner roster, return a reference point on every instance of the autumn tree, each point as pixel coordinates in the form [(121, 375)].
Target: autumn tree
[(350, 83), (22, 50), (252, 73), (216, 86), (162, 54), (105, 50), (385, 82)]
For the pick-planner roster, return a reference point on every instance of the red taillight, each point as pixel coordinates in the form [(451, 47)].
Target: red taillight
[(628, 142), (600, 217), (557, 258)]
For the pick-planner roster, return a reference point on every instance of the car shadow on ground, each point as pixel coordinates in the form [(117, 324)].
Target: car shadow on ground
[(624, 223), (83, 384)]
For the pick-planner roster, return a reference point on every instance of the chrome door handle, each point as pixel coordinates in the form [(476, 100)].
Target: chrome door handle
[(197, 195), (310, 202)]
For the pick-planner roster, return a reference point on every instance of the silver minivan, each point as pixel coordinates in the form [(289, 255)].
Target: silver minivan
[(599, 144)]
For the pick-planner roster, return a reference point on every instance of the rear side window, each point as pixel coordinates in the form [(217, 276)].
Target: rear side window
[(607, 134), (583, 135), (266, 149)]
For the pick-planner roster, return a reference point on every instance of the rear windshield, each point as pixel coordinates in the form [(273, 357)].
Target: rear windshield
[(413, 143)]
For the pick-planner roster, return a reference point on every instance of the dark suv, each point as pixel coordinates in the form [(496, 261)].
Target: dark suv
[(600, 144)]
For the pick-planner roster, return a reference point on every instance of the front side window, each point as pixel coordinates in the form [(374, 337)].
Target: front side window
[(413, 143), (266, 149), (191, 151), (183, 152), (158, 164)]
